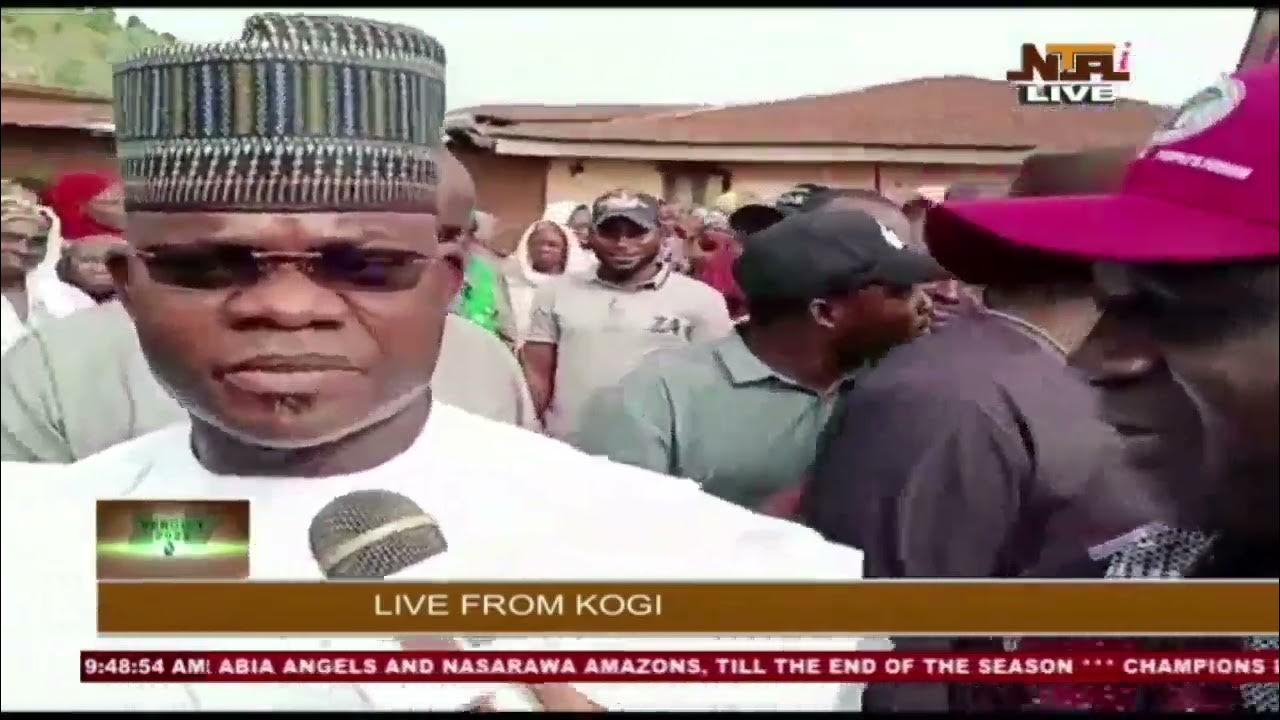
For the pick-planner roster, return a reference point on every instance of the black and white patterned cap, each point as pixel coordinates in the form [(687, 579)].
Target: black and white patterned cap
[(303, 113)]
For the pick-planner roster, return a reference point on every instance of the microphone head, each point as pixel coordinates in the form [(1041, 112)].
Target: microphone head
[(370, 534)]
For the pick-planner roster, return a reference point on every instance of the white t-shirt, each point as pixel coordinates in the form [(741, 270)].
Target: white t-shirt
[(537, 510)]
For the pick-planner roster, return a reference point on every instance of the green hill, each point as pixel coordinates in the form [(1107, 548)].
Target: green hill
[(70, 49)]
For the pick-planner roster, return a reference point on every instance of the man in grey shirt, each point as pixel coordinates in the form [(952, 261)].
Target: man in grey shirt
[(826, 292), (587, 331), (80, 384)]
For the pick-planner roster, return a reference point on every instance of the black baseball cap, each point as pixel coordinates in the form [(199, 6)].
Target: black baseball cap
[(639, 208), (755, 217), (811, 255)]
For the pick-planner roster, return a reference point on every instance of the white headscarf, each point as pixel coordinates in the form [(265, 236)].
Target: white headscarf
[(560, 213), (47, 295), (523, 281)]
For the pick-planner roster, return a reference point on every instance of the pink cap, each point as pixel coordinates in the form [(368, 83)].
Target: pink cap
[(1204, 189)]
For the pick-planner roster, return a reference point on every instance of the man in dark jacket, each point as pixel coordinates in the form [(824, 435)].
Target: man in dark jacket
[(1186, 265)]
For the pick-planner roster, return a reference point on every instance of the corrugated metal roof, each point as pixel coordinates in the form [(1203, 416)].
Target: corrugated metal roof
[(956, 111), (26, 106)]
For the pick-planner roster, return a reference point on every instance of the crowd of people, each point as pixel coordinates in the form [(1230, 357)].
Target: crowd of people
[(1072, 376)]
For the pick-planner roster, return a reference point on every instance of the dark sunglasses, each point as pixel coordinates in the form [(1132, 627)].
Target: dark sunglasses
[(216, 266)]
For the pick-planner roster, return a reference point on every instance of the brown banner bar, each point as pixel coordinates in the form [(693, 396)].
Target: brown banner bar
[(873, 608)]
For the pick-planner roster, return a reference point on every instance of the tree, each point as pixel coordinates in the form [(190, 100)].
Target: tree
[(70, 74)]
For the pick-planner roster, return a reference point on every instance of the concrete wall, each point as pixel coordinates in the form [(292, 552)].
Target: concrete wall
[(598, 176), (513, 189), (44, 153), (899, 181), (767, 180), (517, 188)]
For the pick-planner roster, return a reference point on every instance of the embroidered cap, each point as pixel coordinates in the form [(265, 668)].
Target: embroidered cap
[(303, 113)]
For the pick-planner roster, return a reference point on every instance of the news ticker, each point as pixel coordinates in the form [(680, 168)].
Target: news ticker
[(867, 608), (695, 667)]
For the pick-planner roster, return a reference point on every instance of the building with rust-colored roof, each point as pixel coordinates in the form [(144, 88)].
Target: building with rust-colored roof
[(893, 138), (1263, 45), (48, 131)]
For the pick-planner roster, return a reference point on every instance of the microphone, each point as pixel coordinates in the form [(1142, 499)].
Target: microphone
[(370, 534)]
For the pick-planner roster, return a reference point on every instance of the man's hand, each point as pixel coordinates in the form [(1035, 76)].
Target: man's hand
[(551, 697)]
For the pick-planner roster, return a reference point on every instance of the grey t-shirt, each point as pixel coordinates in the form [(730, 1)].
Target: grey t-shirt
[(602, 332), (712, 412), (80, 384)]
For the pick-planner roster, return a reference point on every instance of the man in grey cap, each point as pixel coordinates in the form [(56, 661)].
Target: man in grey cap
[(826, 293), (587, 331)]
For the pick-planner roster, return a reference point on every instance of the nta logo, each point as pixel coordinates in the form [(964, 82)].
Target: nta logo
[(1070, 73)]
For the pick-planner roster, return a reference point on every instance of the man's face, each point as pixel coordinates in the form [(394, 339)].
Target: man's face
[(946, 298), (580, 224), (24, 239), (869, 322), (305, 352), (624, 247), (668, 216), (87, 265), (1158, 423), (548, 248), (1229, 378), (693, 225)]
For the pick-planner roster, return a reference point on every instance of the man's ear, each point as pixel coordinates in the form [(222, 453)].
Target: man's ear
[(822, 313), (453, 253), (118, 265)]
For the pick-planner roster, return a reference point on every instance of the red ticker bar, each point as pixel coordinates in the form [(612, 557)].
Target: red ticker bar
[(701, 667)]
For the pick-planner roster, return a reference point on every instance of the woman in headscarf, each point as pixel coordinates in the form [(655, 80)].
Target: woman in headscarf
[(546, 249), (79, 199), (714, 252), (29, 251), (574, 215)]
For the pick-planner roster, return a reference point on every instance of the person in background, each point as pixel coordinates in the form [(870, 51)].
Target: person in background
[(752, 217), (712, 258), (577, 217), (307, 378), (482, 298), (33, 185), (826, 294), (916, 205), (544, 252), (1186, 265), (587, 331), (948, 297), (693, 224), (967, 470), (675, 251), (30, 247), (84, 265), (87, 241)]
